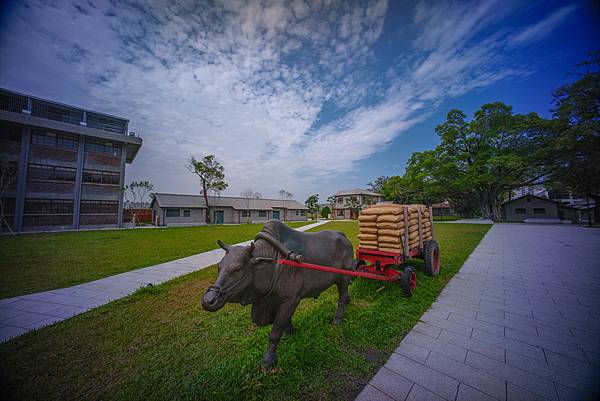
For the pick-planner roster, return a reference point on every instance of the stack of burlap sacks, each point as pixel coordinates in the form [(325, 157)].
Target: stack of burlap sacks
[(381, 227)]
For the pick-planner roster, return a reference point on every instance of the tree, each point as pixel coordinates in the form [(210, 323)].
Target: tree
[(478, 163), (8, 180), (312, 203), (331, 201), (378, 184), (576, 150), (136, 195), (248, 194), (211, 175), (285, 196), (354, 205), (325, 212)]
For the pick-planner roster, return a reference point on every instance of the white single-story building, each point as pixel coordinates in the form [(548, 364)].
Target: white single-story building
[(178, 209)]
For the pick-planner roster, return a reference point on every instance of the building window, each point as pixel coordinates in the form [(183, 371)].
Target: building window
[(172, 212), (186, 213), (520, 210), (101, 177), (105, 148), (340, 200), (539, 210), (10, 133), (297, 212), (48, 206), (302, 212), (262, 213), (340, 213), (54, 140), (99, 207), (245, 213), (51, 173)]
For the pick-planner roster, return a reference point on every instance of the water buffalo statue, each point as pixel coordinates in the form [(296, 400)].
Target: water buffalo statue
[(251, 275)]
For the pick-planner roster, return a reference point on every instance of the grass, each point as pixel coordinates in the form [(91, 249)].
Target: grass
[(159, 344), (39, 262)]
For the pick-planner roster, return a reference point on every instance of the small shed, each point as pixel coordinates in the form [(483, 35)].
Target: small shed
[(530, 207)]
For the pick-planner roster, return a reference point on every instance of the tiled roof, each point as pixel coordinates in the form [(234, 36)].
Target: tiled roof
[(197, 201), (356, 192)]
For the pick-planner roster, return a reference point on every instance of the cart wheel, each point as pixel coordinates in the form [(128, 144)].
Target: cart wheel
[(408, 281), (432, 259)]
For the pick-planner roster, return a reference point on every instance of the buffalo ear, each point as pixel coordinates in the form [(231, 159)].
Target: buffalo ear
[(256, 261), (223, 245)]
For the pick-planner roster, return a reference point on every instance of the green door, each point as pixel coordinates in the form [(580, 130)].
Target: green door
[(219, 217), (276, 215)]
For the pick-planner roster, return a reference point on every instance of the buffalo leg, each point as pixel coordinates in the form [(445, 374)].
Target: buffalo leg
[(343, 300), (282, 321), (289, 328)]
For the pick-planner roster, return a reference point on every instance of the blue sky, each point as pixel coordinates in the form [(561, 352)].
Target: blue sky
[(309, 96)]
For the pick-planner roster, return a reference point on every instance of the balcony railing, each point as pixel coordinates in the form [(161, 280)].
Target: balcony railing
[(14, 103), (18, 103)]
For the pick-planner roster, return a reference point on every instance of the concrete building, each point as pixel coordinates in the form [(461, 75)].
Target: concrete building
[(530, 207), (180, 210), (67, 164), (344, 199)]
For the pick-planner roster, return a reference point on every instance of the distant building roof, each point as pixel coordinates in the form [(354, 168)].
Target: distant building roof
[(443, 205), (530, 196), (197, 201), (356, 192)]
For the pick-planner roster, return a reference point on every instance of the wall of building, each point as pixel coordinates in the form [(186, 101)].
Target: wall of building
[(62, 183), (197, 217), (530, 207), (297, 215)]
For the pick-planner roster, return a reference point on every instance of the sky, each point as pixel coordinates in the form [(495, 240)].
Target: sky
[(307, 96)]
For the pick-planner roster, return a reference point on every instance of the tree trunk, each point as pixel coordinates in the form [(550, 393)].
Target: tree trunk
[(589, 212), (597, 209), (205, 193)]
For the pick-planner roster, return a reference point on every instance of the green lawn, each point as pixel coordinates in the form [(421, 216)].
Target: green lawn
[(159, 344), (39, 262)]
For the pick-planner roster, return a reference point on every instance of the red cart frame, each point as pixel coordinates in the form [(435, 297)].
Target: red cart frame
[(379, 265)]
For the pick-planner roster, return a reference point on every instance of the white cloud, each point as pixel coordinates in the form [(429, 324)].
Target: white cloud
[(544, 27), (282, 93)]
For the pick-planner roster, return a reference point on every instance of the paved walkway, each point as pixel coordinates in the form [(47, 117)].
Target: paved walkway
[(520, 321), (28, 312), (468, 221)]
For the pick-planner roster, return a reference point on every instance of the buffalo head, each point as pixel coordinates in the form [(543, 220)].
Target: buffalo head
[(236, 274)]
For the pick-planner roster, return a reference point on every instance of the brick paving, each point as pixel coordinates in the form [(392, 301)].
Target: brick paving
[(519, 321), (24, 313)]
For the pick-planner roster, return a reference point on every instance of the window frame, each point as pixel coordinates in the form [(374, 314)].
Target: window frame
[(520, 210), (187, 213), (171, 210)]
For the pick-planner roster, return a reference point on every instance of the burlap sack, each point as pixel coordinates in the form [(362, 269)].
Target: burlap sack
[(368, 237), (391, 218), (383, 209), (368, 230), (393, 226), (389, 239), (393, 250), (367, 224), (368, 242), (390, 232), (372, 247), (367, 217)]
